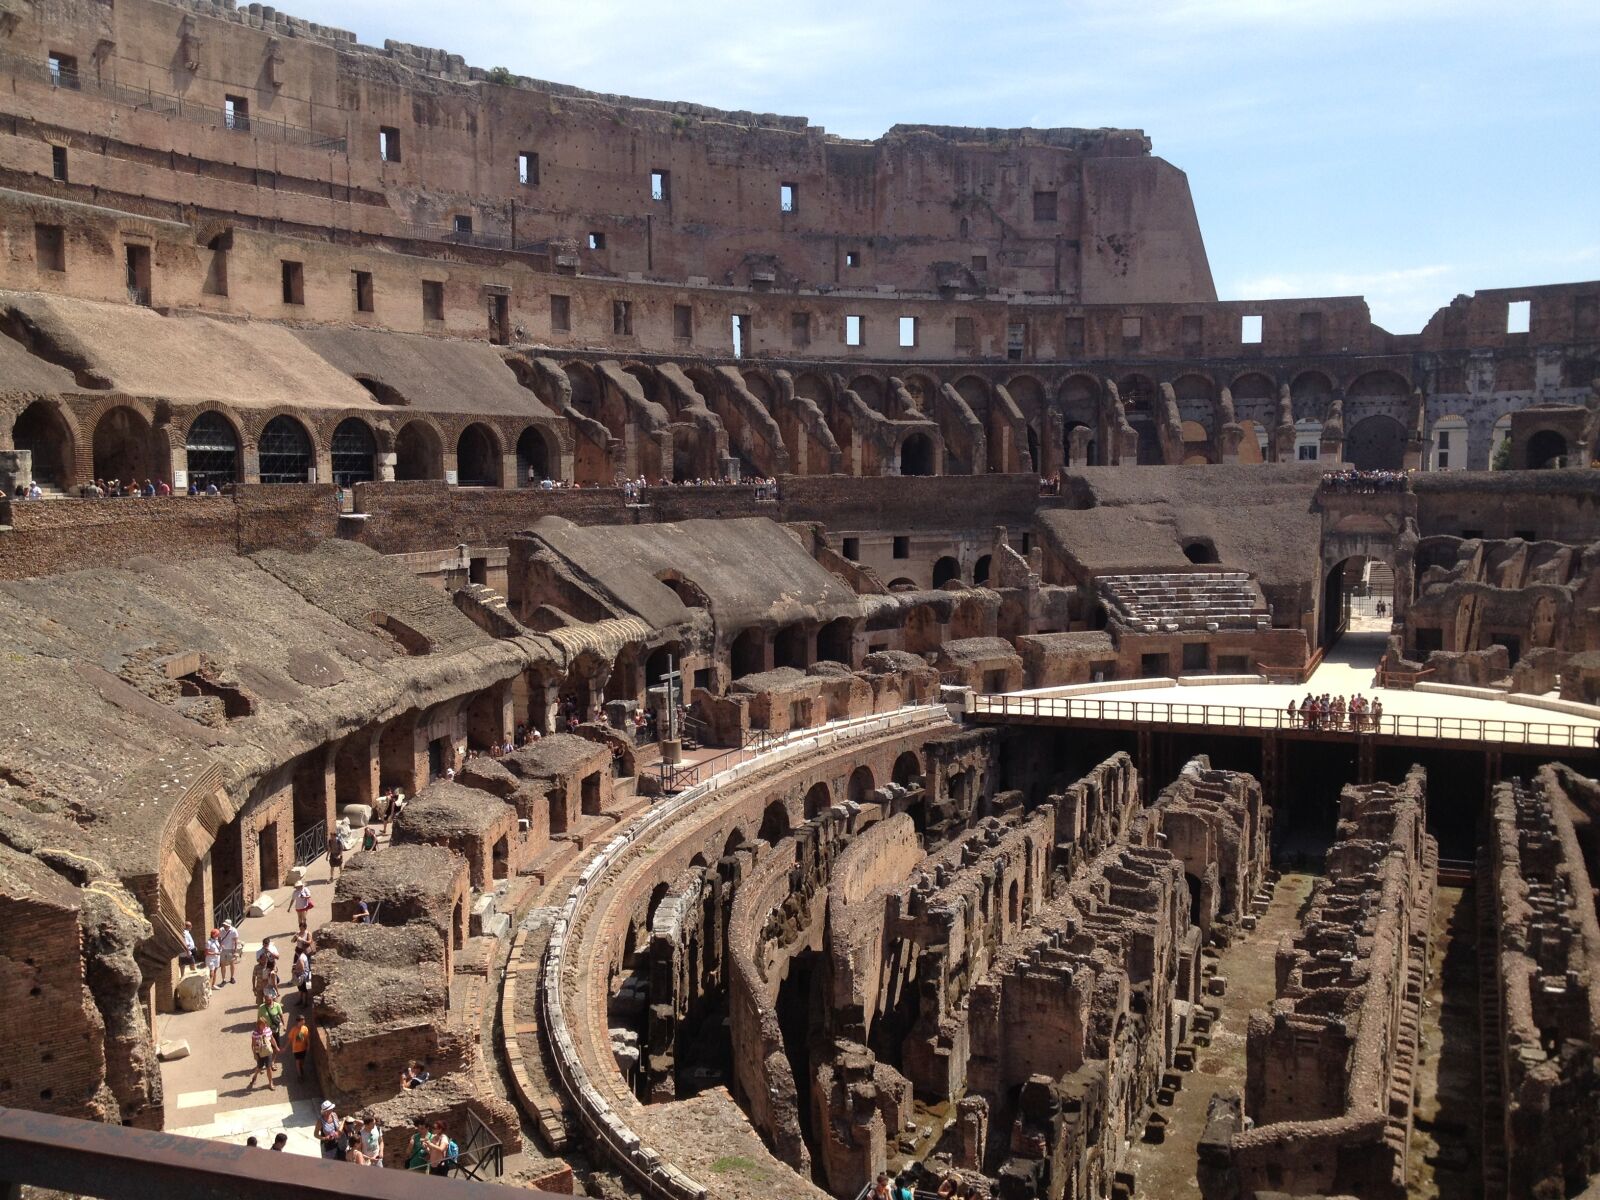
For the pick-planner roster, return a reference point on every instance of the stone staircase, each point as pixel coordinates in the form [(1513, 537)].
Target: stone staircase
[(1169, 602)]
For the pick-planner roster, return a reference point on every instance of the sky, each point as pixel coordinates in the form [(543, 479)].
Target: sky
[(1405, 150)]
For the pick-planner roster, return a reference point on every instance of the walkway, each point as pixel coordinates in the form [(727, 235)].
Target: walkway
[(1168, 1169), (208, 1094)]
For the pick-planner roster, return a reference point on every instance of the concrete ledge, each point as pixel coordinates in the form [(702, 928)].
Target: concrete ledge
[(1219, 680), (1091, 689), (1553, 704), (1461, 689)]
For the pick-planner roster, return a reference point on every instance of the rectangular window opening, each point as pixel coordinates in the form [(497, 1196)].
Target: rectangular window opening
[(597, 241), (852, 258), (980, 264), (361, 281), (499, 319), (854, 328), (682, 322), (58, 163), (560, 314), (800, 328), (741, 334), (908, 332), (622, 317), (852, 548), (1519, 316), (294, 282), (1044, 206), (528, 169), (788, 197), (137, 259), (1016, 340), (432, 300), (462, 223), (236, 112), (50, 247), (389, 144), (63, 69), (1132, 333), (1250, 330), (661, 186), (902, 546)]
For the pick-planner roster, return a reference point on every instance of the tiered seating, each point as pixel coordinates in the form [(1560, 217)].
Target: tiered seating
[(1168, 602)]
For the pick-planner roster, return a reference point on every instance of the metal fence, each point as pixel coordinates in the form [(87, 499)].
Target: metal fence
[(1245, 717), (147, 99), (481, 1156), (677, 776), (311, 845), (228, 908)]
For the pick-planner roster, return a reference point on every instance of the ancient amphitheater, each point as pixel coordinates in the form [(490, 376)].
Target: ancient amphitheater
[(765, 665)]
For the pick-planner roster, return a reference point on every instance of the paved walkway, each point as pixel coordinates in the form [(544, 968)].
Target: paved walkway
[(208, 1094)]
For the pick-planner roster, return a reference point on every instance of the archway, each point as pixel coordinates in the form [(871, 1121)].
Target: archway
[(1358, 598), (774, 823), (907, 772), (946, 569), (861, 785), (789, 647), (747, 655), (1376, 443), (284, 452), (124, 446), (834, 641), (533, 457), (981, 569), (477, 457), (1547, 448), (1200, 550), (417, 453), (212, 450), (354, 453), (818, 800), (916, 455), (41, 430)]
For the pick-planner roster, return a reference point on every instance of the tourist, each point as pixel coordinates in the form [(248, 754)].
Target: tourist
[(266, 973), (327, 1130), (188, 957), (413, 1076), (35, 492), (372, 1141), (903, 1189), (350, 1150), (263, 1045), (162, 489), (335, 855), (251, 1141), (271, 1011), (229, 944), (301, 976), (400, 802), (1294, 714), (300, 1045), (947, 1186), (369, 838), (302, 903), (441, 1150), (214, 956), (417, 1152), (880, 1190), (1377, 715), (279, 1142), (211, 490), (362, 914)]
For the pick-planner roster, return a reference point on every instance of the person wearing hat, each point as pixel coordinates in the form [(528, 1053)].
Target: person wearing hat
[(214, 955), (328, 1129), (228, 942)]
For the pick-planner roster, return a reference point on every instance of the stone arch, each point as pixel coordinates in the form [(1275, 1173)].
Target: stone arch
[(902, 584), (284, 451), (124, 445), (907, 770), (418, 451), (385, 394), (1376, 443), (49, 433), (537, 456), (747, 653), (478, 458), (945, 569), (1381, 383), (922, 388), (1310, 392), (818, 800), (1138, 392), (1197, 400), (775, 824), (861, 786), (790, 648), (1196, 444), (835, 641), (1546, 448), (872, 390), (211, 449), (916, 454), (354, 452), (981, 569)]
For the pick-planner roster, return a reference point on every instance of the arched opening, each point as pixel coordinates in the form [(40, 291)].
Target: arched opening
[(661, 660), (1253, 445), (285, 452), (1376, 443), (916, 455), (981, 569), (818, 800), (946, 569), (43, 432), (501, 859), (789, 647), (417, 453), (124, 447), (1358, 599), (477, 457), (1200, 550), (907, 771), (902, 584), (689, 593), (1196, 444), (747, 654), (533, 457), (735, 840), (861, 785), (834, 641), (870, 389), (212, 450), (774, 823), (354, 452), (1547, 448)]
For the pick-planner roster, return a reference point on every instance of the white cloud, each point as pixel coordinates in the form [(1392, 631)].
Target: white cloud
[(1401, 299)]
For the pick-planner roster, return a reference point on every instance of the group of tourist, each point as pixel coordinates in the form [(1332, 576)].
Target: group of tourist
[(1336, 712), (1366, 483), (348, 1139)]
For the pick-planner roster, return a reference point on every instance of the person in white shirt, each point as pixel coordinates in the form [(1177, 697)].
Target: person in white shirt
[(229, 943), (301, 903)]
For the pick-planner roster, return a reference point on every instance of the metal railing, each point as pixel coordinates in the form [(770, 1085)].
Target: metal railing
[(675, 777), (149, 100), (1238, 716), (228, 908), (481, 1156), (311, 845)]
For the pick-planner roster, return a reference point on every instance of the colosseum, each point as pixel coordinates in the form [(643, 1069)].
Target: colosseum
[(650, 651)]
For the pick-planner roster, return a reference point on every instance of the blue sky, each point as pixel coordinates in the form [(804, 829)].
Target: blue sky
[(1405, 150)]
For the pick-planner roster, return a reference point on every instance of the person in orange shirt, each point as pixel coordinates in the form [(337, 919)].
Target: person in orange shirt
[(299, 1043)]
